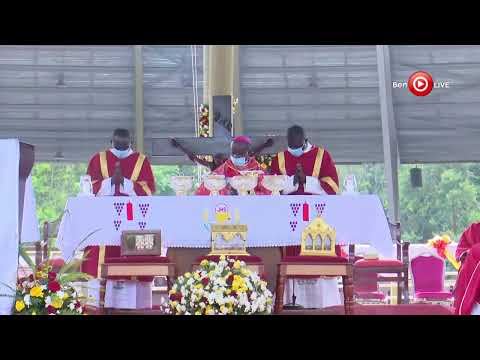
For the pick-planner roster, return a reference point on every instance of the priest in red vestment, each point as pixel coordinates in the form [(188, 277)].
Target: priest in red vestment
[(467, 287), (239, 161), (311, 171), (120, 171)]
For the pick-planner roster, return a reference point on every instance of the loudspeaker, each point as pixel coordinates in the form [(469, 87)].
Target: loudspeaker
[(416, 177)]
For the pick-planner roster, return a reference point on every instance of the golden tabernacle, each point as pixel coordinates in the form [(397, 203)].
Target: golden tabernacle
[(318, 239), (229, 239)]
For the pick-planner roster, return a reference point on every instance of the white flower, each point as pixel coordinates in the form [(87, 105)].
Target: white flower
[(190, 281), (79, 309), (183, 300), (71, 306), (60, 294), (44, 287), (48, 301), (187, 313), (178, 308), (26, 300), (202, 305)]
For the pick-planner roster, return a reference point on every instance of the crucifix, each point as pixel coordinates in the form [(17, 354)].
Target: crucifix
[(222, 115)]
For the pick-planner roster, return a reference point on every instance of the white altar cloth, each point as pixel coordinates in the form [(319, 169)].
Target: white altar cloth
[(184, 220), (9, 192)]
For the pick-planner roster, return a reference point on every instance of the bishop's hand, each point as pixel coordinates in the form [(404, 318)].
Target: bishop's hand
[(117, 178)]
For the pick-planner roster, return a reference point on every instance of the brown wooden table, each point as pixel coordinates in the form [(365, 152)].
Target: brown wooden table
[(132, 270), (314, 268)]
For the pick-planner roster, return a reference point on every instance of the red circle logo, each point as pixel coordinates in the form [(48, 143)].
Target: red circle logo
[(420, 83)]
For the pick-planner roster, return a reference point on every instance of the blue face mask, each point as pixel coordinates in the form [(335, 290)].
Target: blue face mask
[(240, 161), (121, 154), (296, 152)]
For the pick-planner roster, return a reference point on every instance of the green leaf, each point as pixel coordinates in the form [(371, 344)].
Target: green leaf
[(26, 258), (73, 277)]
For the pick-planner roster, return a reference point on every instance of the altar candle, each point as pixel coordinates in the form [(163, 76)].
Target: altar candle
[(129, 211), (305, 212)]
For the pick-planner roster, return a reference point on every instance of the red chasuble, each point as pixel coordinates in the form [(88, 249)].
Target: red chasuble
[(467, 287), (135, 167), (317, 163), (229, 170)]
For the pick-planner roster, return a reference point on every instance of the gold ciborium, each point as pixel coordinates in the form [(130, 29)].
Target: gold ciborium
[(245, 182), (275, 183), (214, 183), (181, 184)]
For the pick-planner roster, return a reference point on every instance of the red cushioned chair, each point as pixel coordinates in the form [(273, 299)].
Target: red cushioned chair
[(365, 287), (294, 265), (428, 273), (398, 266)]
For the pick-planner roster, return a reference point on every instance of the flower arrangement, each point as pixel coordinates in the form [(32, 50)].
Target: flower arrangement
[(440, 243), (48, 290), (224, 288), (204, 125)]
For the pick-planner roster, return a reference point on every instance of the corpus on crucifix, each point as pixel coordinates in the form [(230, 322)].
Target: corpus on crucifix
[(218, 146)]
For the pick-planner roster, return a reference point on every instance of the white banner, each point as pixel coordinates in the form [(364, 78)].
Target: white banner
[(8, 221), (184, 221)]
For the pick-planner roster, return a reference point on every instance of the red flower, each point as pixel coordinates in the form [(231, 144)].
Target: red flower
[(52, 276), (233, 293), (176, 297), (30, 277), (53, 286), (230, 280), (77, 304), (204, 300), (205, 281), (51, 310)]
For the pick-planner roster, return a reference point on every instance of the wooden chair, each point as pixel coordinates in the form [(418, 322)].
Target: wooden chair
[(330, 264), (49, 236), (398, 266)]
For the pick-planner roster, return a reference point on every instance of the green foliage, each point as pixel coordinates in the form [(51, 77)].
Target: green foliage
[(447, 202)]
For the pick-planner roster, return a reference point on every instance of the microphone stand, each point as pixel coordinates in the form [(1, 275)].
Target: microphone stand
[(293, 305)]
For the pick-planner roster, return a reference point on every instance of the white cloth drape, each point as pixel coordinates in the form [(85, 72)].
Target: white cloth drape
[(10, 150), (30, 230), (313, 293)]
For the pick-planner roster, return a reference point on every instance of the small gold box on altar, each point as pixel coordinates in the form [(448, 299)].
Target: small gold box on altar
[(318, 239), (229, 239), (141, 243)]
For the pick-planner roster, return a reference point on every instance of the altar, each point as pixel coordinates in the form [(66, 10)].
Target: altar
[(185, 221)]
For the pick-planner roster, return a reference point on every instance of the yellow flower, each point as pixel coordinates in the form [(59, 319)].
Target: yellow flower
[(222, 257), (187, 275), (209, 310), (228, 291), (36, 291), (65, 296), (173, 304), (196, 276), (245, 272), (34, 313), (172, 292), (199, 286), (204, 263), (223, 309), (40, 275), (236, 265), (19, 305), (57, 303), (198, 312)]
